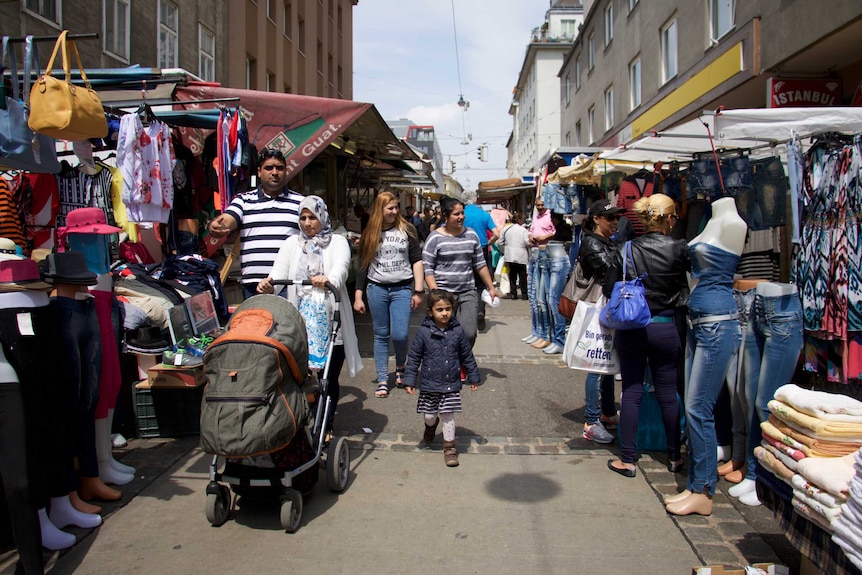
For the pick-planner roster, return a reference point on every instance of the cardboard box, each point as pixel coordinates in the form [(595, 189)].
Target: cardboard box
[(177, 377)]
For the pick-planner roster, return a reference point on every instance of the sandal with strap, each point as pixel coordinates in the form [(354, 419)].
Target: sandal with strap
[(382, 390), (399, 377)]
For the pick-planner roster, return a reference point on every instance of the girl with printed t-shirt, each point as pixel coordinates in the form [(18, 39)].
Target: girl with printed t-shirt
[(392, 276)]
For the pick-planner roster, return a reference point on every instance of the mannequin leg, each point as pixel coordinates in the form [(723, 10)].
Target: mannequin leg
[(63, 513), (53, 538), (107, 473), (94, 488), (82, 505), (116, 465), (741, 488)]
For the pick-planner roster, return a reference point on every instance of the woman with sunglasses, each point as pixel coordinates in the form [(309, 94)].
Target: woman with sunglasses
[(663, 262), (598, 253)]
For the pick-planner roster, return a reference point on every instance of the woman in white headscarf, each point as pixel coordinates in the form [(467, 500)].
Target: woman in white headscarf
[(318, 255)]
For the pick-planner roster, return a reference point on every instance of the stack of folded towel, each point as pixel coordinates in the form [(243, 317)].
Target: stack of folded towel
[(848, 526), (810, 441)]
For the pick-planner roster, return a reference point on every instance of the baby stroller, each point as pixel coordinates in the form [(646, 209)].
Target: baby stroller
[(255, 414)]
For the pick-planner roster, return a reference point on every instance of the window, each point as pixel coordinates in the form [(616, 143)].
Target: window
[(635, 83), (270, 10), (206, 54), (288, 16), (591, 52), (568, 29), (591, 124), (609, 108), (578, 141), (116, 28), (47, 9), (169, 26), (567, 89), (609, 23), (568, 139), (721, 15), (668, 51), (578, 73), (250, 74), (632, 4)]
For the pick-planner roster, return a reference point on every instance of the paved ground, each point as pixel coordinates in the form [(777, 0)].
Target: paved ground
[(530, 496)]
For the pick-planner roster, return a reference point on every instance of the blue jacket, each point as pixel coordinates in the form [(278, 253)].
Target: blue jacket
[(440, 353)]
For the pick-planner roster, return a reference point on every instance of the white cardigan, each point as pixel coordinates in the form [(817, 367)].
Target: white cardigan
[(336, 263)]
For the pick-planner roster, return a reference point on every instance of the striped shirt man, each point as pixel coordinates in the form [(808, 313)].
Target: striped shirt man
[(264, 222), (453, 259)]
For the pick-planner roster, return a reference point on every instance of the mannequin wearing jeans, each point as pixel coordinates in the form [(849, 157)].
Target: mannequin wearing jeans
[(772, 346), (713, 339), (556, 272)]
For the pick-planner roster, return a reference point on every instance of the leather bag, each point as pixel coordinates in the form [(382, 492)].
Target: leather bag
[(627, 307), (61, 109), (577, 289), (39, 155), (15, 136)]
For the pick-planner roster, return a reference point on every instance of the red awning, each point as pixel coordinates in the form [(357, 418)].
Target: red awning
[(299, 126)]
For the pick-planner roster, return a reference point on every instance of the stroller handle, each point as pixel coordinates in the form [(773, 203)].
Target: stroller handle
[(332, 289)]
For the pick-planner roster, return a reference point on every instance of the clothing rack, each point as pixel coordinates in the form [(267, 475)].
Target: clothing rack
[(22, 39)]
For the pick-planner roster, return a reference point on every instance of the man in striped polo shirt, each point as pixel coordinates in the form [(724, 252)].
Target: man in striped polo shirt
[(266, 217)]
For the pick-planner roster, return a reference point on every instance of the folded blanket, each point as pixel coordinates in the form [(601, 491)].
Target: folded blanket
[(832, 474), (806, 511), (834, 430), (830, 513), (788, 461), (812, 447), (780, 431), (791, 452), (848, 535), (772, 463), (814, 491), (853, 554), (820, 404)]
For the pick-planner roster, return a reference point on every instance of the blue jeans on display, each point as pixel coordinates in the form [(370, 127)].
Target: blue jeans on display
[(542, 287), (710, 349), (739, 407), (702, 179), (772, 350), (556, 199), (599, 397), (736, 175), (558, 271), (765, 204), (538, 310), (81, 343), (390, 317)]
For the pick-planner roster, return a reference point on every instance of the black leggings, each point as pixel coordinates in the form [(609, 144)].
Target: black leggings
[(517, 278), (13, 472)]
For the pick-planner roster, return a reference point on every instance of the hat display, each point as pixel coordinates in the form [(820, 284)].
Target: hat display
[(146, 340), (88, 221), (67, 268), (21, 275), (603, 208), (9, 250)]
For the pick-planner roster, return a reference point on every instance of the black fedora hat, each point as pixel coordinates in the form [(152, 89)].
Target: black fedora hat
[(67, 268), (146, 340)]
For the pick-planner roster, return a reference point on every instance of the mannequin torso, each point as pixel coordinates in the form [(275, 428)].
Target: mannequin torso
[(725, 229), (774, 289)]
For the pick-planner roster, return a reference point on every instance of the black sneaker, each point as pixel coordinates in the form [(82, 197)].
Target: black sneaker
[(480, 322)]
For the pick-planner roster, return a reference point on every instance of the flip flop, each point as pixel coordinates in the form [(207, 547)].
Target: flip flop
[(382, 390)]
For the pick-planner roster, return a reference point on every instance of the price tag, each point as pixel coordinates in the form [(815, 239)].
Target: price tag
[(25, 324)]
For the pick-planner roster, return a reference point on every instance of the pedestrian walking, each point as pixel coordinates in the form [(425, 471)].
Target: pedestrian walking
[(515, 243), (439, 351)]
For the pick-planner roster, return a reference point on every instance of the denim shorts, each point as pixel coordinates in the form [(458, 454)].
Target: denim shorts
[(764, 204)]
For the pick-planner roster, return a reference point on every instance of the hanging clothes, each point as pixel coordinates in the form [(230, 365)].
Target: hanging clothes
[(632, 189), (145, 156), (11, 220), (44, 207), (80, 190)]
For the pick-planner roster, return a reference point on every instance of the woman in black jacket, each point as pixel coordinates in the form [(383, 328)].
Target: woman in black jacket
[(665, 262), (598, 253)]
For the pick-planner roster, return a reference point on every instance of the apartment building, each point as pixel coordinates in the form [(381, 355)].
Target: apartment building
[(292, 46), (641, 65), (535, 107)]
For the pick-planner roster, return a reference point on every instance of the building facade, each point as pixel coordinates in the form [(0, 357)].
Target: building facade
[(292, 46), (535, 108), (638, 66)]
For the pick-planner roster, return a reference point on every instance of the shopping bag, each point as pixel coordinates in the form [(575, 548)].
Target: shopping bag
[(589, 345), (61, 109), (651, 435), (314, 304), (578, 288), (39, 154), (627, 307), (504, 288)]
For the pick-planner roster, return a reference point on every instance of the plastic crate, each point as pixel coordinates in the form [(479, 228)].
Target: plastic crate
[(167, 412)]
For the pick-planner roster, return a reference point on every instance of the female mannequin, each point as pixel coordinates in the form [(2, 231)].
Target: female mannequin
[(713, 339)]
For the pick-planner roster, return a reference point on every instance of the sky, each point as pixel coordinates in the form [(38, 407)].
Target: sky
[(405, 63)]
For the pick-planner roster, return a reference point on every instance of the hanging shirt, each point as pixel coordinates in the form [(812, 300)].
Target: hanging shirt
[(145, 156)]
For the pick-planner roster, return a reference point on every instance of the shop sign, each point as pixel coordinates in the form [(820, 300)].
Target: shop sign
[(797, 92)]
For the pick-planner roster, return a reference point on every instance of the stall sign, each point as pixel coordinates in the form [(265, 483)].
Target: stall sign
[(801, 93)]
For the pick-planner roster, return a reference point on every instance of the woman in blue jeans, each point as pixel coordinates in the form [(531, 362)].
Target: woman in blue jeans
[(392, 277), (598, 253), (664, 262)]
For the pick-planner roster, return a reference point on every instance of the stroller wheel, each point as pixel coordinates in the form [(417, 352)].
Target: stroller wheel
[(218, 505), (291, 510), (337, 465)]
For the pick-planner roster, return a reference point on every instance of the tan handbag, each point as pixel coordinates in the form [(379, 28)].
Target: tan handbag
[(578, 289), (60, 109)]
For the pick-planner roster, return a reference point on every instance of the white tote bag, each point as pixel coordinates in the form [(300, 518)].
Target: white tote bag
[(589, 345)]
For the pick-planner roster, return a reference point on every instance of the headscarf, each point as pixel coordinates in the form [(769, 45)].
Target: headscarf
[(313, 247)]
